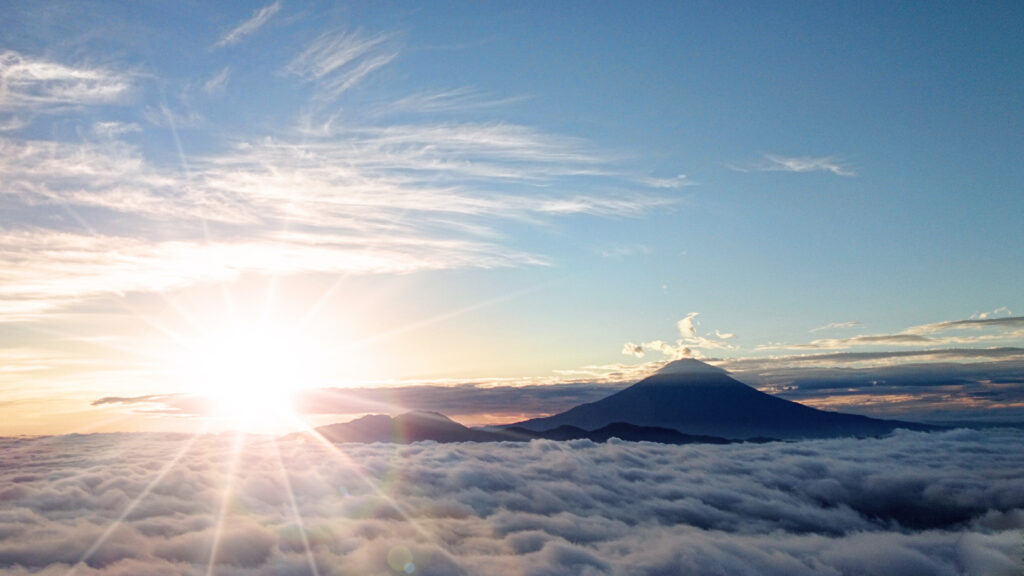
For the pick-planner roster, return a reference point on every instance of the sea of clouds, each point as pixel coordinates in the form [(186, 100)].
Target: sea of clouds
[(946, 503)]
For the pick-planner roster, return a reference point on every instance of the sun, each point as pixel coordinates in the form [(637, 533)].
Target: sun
[(248, 375)]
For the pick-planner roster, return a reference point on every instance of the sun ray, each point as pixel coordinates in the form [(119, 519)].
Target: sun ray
[(345, 459), (135, 502), (443, 316), (322, 301), (225, 503), (295, 510)]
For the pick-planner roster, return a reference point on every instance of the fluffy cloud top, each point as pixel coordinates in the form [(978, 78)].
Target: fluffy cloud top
[(688, 344), (912, 503)]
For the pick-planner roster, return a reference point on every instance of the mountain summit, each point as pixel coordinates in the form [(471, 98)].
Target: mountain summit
[(690, 366), (697, 398)]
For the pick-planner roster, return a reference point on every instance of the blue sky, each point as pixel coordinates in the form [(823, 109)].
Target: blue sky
[(479, 190)]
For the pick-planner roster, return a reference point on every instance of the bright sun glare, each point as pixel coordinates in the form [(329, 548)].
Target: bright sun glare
[(249, 376)]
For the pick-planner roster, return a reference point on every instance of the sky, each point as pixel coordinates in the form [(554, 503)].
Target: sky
[(244, 200)]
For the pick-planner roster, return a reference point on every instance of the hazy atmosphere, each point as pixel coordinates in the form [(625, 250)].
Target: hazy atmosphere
[(526, 287)]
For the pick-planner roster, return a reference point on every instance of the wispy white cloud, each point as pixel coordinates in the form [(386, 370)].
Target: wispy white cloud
[(943, 384), (689, 343), (1002, 310), (807, 164), (679, 181), (166, 117), (872, 359), (218, 83), (354, 198), (778, 163), (30, 85), (1006, 322), (107, 174), (113, 129), (337, 61), (12, 124), (258, 19), (45, 270), (947, 333), (361, 201), (836, 325), (458, 100), (633, 349)]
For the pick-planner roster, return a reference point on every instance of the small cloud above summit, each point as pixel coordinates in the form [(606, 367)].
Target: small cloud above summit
[(688, 344)]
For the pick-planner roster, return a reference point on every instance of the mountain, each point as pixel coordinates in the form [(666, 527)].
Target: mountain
[(695, 398), (406, 428), (420, 426)]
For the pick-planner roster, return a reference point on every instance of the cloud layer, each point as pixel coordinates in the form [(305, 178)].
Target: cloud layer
[(313, 191), (688, 344), (983, 329), (360, 200), (945, 385), (913, 503)]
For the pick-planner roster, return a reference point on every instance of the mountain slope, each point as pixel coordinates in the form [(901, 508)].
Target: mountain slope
[(432, 426), (406, 428), (696, 398)]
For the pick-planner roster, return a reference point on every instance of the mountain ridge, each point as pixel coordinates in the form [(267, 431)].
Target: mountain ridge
[(433, 426)]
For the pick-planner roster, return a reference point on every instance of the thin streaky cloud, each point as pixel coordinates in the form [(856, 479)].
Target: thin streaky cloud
[(41, 271), (797, 164), (935, 334), (679, 181), (973, 323), (33, 85), (345, 80), (871, 359), (112, 130), (259, 18), (807, 164), (218, 83), (337, 61), (424, 169), (12, 124), (836, 325), (442, 101), (362, 200), (993, 313)]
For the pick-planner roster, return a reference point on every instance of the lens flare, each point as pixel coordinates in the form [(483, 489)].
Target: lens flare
[(249, 375)]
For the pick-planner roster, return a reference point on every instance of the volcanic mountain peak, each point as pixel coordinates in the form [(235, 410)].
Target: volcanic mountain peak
[(695, 398), (689, 366)]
